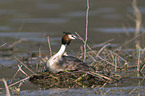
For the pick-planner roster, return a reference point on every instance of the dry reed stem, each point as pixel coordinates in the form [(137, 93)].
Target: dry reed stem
[(125, 30), (132, 90), (22, 70), (135, 37), (80, 78), (20, 84), (94, 51), (20, 81), (40, 52), (24, 65), (15, 43), (50, 51), (85, 43), (138, 17), (40, 63), (21, 26), (15, 75), (142, 68), (3, 45), (138, 21), (126, 63), (92, 58), (102, 43), (6, 86), (104, 85), (100, 76), (138, 63), (107, 91), (115, 63), (102, 49)]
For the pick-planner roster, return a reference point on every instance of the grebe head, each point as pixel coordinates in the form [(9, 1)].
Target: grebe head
[(66, 39)]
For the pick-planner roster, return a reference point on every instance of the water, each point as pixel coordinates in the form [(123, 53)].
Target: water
[(34, 20), (115, 91)]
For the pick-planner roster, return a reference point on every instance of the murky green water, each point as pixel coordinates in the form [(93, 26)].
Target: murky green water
[(34, 20)]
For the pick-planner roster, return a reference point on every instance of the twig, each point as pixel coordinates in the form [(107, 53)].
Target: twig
[(107, 91), (132, 90), (142, 67), (94, 51), (92, 57), (131, 39), (40, 52), (80, 78), (138, 16), (85, 43), (101, 76), (15, 43), (138, 62), (24, 65), (22, 70), (6, 86), (3, 45), (126, 63), (49, 46), (102, 48), (20, 81), (102, 43), (15, 75), (104, 85), (138, 21), (115, 63)]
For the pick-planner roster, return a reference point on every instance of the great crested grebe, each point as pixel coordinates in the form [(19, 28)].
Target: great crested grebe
[(59, 62)]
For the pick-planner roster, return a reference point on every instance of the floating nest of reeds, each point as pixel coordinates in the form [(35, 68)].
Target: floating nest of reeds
[(75, 79)]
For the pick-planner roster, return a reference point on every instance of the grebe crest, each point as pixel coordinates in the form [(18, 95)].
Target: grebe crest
[(58, 62)]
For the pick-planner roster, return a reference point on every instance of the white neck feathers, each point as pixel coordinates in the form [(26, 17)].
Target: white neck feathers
[(53, 59), (61, 50)]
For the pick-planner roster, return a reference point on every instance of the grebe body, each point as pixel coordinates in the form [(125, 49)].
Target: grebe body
[(59, 62)]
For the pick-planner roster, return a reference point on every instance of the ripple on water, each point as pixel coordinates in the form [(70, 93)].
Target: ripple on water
[(48, 6), (6, 28), (32, 36), (7, 12), (117, 30), (40, 20)]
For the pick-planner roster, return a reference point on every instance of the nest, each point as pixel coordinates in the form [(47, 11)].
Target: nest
[(73, 79)]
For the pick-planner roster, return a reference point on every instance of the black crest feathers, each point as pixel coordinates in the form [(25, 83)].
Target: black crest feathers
[(65, 38)]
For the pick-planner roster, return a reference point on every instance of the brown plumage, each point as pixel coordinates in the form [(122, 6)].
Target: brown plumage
[(69, 63), (66, 40)]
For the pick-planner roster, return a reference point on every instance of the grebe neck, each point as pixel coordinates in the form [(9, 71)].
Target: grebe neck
[(52, 62), (61, 50)]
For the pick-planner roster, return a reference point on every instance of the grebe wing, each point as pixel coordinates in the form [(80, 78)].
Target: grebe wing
[(72, 63)]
